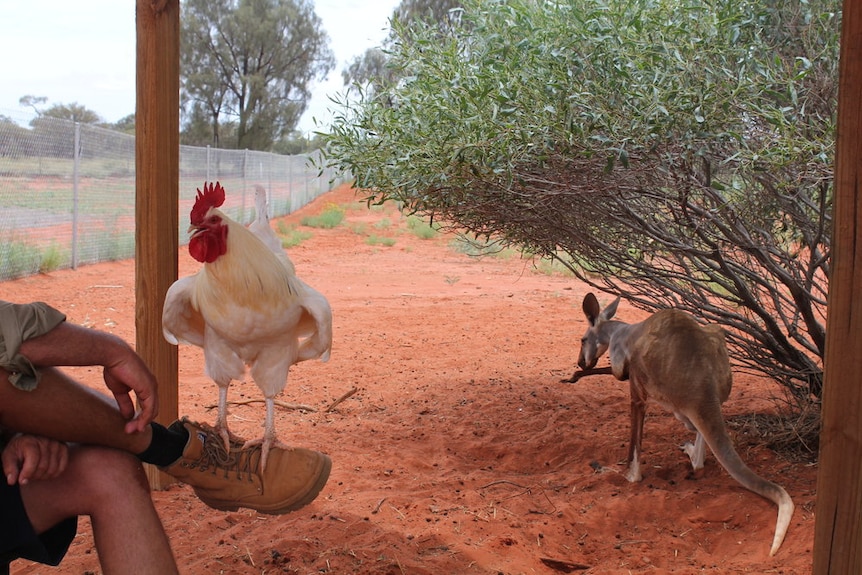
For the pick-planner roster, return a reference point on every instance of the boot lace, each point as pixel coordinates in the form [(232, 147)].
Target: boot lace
[(244, 462)]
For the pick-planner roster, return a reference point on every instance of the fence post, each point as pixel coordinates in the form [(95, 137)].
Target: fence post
[(76, 155), (307, 184), (245, 214), (244, 177)]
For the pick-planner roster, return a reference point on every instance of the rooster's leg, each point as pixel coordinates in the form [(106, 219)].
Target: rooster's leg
[(269, 439), (221, 419)]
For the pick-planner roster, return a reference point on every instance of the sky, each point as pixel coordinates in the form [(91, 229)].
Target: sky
[(84, 52)]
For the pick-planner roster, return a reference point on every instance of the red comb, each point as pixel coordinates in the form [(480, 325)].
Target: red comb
[(211, 197)]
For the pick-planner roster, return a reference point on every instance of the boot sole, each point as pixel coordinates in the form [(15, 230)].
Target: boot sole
[(279, 508)]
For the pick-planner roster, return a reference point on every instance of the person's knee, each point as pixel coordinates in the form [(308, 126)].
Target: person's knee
[(98, 481), (110, 472)]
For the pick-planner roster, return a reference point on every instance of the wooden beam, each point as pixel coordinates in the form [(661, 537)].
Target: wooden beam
[(157, 162), (838, 523)]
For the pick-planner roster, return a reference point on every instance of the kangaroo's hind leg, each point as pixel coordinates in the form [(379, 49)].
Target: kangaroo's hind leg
[(696, 451)]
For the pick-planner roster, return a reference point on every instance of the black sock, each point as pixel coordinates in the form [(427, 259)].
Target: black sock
[(167, 445)]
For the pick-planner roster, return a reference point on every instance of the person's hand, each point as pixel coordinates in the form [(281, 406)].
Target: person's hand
[(31, 458), (130, 374)]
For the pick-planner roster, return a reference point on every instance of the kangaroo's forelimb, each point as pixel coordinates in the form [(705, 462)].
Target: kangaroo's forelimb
[(579, 373)]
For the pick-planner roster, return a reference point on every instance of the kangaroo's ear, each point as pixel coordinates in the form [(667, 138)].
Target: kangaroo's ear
[(591, 308), (611, 310)]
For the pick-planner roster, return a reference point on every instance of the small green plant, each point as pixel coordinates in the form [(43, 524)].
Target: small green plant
[(356, 206), (480, 248), (421, 228), (107, 245), (52, 258), (551, 267), (18, 259), (359, 228), (373, 240), (292, 237), (383, 224), (329, 218)]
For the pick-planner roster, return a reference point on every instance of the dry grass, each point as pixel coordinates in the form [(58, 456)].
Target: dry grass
[(793, 432)]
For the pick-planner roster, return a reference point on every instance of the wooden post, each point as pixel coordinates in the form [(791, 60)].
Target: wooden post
[(157, 160), (838, 523)]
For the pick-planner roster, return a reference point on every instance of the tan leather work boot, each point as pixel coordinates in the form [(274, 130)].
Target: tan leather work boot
[(230, 479)]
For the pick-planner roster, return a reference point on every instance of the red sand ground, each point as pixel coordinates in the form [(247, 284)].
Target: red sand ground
[(460, 451)]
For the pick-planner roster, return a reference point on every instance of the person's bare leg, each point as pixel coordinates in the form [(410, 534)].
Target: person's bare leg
[(111, 488), (65, 410)]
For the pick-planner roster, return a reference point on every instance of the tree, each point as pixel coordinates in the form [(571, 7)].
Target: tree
[(251, 61), (55, 126), (369, 71), (199, 128), (31, 101), (297, 143), (678, 154), (126, 125), (73, 112), (15, 141)]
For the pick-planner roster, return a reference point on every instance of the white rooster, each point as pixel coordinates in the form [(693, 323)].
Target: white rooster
[(245, 307)]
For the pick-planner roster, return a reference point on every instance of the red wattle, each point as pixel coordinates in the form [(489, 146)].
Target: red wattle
[(207, 246)]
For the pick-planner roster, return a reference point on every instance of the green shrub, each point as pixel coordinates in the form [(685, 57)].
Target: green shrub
[(53, 258), (421, 228), (359, 228), (18, 259), (551, 267), (293, 237), (329, 218), (480, 248), (380, 241)]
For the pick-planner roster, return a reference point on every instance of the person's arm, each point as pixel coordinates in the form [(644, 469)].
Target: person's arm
[(70, 344), (19, 322), (124, 372), (63, 343)]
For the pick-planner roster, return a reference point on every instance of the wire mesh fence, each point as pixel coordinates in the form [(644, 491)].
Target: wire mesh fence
[(67, 191)]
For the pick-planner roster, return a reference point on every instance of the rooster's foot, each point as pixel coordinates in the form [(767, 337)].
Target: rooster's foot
[(231, 440), (265, 446)]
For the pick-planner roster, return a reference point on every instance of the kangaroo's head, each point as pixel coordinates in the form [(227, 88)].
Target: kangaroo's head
[(595, 341)]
